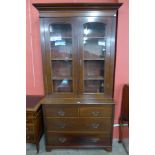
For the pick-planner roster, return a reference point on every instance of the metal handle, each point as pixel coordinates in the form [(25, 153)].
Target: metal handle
[(95, 140), (62, 139), (95, 113), (61, 113), (95, 125), (62, 126), (80, 62)]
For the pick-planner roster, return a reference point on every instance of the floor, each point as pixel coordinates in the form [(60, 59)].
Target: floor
[(118, 149)]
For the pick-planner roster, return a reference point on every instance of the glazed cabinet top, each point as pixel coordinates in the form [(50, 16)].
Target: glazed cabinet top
[(78, 49)]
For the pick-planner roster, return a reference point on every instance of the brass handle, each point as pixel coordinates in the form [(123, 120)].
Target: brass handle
[(61, 113), (95, 140), (62, 126), (95, 125), (95, 113), (62, 139)]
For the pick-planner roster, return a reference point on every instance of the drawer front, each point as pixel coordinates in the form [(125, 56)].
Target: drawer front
[(62, 124), (95, 124), (29, 137), (60, 111), (75, 140), (29, 129), (96, 111), (79, 124)]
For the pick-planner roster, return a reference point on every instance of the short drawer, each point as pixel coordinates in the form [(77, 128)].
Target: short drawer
[(60, 111), (29, 128), (29, 137), (78, 140), (96, 111), (62, 124)]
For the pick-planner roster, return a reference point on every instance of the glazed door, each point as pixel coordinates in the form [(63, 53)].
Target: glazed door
[(96, 55), (60, 56)]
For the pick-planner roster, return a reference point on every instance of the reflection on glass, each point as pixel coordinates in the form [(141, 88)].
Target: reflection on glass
[(93, 86), (60, 29), (93, 29), (62, 85)]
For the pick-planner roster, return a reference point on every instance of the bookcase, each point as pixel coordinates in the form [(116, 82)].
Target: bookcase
[(78, 54)]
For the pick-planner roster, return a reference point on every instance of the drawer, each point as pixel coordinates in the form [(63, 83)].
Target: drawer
[(62, 124), (96, 124), (29, 128), (78, 139), (79, 124), (29, 137), (96, 111), (60, 111)]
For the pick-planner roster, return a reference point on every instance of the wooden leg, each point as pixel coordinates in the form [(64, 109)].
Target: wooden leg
[(108, 149), (120, 130), (37, 147), (48, 149)]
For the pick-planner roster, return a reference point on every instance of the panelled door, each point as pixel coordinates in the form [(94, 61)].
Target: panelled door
[(61, 56), (96, 39)]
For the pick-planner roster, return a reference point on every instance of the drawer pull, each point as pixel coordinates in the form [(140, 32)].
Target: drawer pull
[(62, 126), (95, 140), (61, 113), (95, 113), (95, 125), (62, 139)]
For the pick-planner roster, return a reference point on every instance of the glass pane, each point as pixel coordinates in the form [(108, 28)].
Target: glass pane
[(62, 69), (94, 29), (61, 49), (94, 47), (93, 69), (62, 85), (61, 56), (61, 41), (60, 30), (93, 86)]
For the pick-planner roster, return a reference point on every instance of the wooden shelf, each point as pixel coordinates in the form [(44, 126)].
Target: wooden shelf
[(94, 78), (95, 37), (62, 59), (63, 37), (62, 78), (94, 59)]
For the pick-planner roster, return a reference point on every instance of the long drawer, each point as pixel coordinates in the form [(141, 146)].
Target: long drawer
[(55, 139), (79, 124)]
